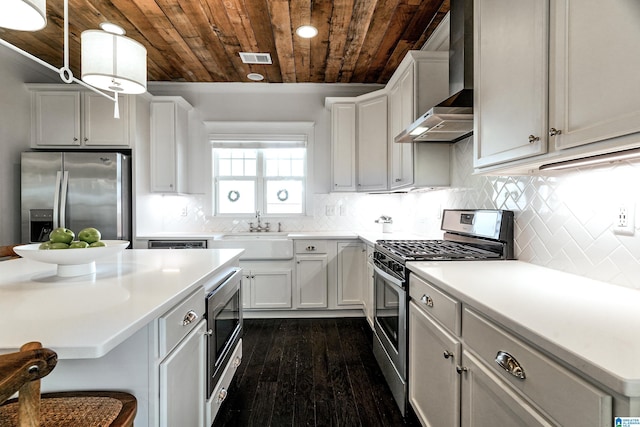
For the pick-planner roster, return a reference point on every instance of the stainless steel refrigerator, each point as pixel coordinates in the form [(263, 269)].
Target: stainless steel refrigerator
[(75, 190)]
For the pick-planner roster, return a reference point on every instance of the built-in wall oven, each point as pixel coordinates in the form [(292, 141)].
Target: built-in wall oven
[(224, 324), (469, 235)]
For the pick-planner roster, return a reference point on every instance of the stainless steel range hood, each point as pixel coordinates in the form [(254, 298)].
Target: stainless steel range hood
[(452, 119)]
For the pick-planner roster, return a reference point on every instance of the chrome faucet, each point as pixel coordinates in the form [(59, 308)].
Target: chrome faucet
[(259, 227)]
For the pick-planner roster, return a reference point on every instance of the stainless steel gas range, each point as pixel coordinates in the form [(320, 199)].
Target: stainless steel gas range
[(468, 235)]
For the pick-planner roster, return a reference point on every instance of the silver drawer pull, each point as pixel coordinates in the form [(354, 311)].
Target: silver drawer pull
[(222, 395), (510, 364), (447, 354), (426, 299), (310, 248), (189, 318)]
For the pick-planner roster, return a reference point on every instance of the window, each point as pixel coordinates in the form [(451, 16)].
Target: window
[(269, 177)]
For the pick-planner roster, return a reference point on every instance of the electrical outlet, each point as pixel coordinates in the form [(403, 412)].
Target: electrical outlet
[(624, 221), (330, 210), (343, 210), (183, 211)]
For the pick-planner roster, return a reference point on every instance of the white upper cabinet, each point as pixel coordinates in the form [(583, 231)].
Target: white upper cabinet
[(510, 80), (169, 143), (75, 118), (554, 80), (420, 82), (343, 146), (595, 91), (372, 144), (400, 116), (364, 156)]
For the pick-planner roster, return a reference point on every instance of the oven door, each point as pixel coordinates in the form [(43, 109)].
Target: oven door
[(390, 316), (224, 324)]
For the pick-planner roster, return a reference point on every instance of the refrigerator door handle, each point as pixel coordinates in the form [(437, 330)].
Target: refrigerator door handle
[(63, 198), (56, 201)]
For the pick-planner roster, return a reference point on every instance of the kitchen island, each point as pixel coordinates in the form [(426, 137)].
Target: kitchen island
[(108, 327)]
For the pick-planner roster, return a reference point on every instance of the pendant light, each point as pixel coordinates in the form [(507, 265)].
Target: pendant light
[(110, 61), (23, 15)]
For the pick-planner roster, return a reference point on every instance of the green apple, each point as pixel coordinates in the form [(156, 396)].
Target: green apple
[(89, 235), (45, 245), (98, 244), (59, 245), (78, 244), (62, 235)]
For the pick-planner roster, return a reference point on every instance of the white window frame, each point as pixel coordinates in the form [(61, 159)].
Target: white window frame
[(271, 133)]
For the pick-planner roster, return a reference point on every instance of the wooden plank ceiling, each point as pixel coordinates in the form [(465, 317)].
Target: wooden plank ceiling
[(359, 41)]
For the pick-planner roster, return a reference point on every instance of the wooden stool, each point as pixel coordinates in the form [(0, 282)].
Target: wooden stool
[(22, 371), (7, 252)]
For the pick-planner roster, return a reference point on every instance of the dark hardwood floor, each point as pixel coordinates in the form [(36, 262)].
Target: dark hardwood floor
[(309, 372)]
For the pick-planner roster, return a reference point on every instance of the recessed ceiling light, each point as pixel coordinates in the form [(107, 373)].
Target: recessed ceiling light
[(307, 31), (112, 28), (256, 77)]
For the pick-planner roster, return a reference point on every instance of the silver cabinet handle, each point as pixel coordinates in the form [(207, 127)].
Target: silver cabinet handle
[(189, 318), (237, 361), (447, 354), (510, 364), (427, 300), (209, 332), (554, 132), (310, 248), (461, 369), (533, 139), (222, 395)]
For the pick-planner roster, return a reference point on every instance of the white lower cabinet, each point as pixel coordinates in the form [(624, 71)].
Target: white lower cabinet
[(267, 288), (350, 256), (488, 401), (182, 381), (367, 290), (434, 384), (467, 370), (311, 281)]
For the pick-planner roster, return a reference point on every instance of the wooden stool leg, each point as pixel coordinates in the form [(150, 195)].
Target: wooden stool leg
[(29, 397)]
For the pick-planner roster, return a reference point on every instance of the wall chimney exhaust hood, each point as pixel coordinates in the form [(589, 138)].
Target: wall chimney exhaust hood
[(452, 119)]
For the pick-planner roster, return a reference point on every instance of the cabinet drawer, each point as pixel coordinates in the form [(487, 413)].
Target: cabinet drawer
[(175, 324), (435, 302), (220, 391), (311, 246), (565, 397)]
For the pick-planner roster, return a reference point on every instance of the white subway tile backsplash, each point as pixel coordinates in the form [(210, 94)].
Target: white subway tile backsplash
[(563, 221)]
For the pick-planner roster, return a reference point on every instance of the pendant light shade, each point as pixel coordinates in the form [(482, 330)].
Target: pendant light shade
[(24, 15), (113, 62)]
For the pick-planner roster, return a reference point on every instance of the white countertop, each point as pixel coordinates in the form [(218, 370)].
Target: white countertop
[(87, 316), (368, 237), (591, 325)]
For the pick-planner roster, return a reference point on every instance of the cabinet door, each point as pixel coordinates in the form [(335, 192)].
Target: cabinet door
[(510, 80), (595, 86), (182, 382), (55, 118), (434, 384), (271, 289), (100, 127), (488, 402), (401, 114), (343, 146), (311, 281), (372, 144), (163, 147), (350, 273)]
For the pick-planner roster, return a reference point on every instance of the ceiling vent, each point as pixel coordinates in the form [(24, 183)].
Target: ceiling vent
[(255, 58)]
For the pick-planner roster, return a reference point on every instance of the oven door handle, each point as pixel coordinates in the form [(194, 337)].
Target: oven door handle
[(389, 278)]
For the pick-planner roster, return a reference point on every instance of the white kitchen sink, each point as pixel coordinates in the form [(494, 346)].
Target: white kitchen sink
[(257, 246)]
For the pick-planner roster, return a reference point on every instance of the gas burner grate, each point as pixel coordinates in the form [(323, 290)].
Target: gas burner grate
[(435, 249)]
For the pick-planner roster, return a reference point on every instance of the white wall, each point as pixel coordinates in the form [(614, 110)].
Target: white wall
[(15, 115)]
